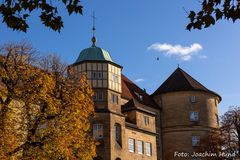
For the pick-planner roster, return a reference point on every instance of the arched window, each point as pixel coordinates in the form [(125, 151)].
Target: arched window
[(118, 158), (118, 133)]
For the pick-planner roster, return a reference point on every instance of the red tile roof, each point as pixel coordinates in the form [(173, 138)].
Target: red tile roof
[(130, 91)]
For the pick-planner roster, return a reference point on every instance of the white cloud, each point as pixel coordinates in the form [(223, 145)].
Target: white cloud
[(138, 80), (185, 53), (203, 57)]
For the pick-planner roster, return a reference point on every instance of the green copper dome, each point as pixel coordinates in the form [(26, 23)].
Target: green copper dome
[(94, 53)]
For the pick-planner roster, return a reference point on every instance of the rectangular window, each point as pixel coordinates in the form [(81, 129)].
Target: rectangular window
[(195, 141), (114, 99), (194, 116), (131, 146), (148, 149), (115, 78), (192, 99), (100, 75), (98, 131), (97, 75), (140, 147), (146, 120), (94, 75)]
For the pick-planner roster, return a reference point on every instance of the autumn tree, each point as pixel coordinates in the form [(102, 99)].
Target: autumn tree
[(212, 11), (230, 130), (226, 139), (15, 13), (44, 114)]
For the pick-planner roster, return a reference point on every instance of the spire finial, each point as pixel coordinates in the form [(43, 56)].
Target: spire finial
[(93, 29), (178, 65)]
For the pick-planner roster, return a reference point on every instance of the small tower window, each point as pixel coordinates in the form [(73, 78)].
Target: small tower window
[(100, 75), (97, 75), (94, 75), (114, 99), (194, 116), (192, 99), (195, 141), (115, 78)]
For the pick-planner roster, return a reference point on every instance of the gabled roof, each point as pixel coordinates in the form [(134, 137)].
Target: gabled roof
[(130, 91), (179, 80)]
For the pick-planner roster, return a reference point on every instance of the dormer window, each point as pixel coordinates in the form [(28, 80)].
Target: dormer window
[(140, 97)]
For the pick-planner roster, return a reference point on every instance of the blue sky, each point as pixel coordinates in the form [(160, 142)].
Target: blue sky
[(127, 29)]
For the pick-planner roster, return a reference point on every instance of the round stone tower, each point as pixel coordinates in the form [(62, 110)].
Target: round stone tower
[(189, 112)]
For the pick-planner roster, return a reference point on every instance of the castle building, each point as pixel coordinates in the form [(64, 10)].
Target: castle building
[(130, 124)]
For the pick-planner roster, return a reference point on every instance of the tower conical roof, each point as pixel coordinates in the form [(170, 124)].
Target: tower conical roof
[(179, 80)]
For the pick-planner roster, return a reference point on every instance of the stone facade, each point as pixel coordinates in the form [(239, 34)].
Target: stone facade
[(177, 127), (132, 125)]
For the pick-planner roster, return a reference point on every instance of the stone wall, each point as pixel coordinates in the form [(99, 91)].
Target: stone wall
[(177, 128)]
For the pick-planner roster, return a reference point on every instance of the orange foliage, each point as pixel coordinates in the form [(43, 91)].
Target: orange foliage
[(44, 114)]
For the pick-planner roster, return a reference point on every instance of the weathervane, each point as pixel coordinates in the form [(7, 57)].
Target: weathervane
[(94, 29)]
